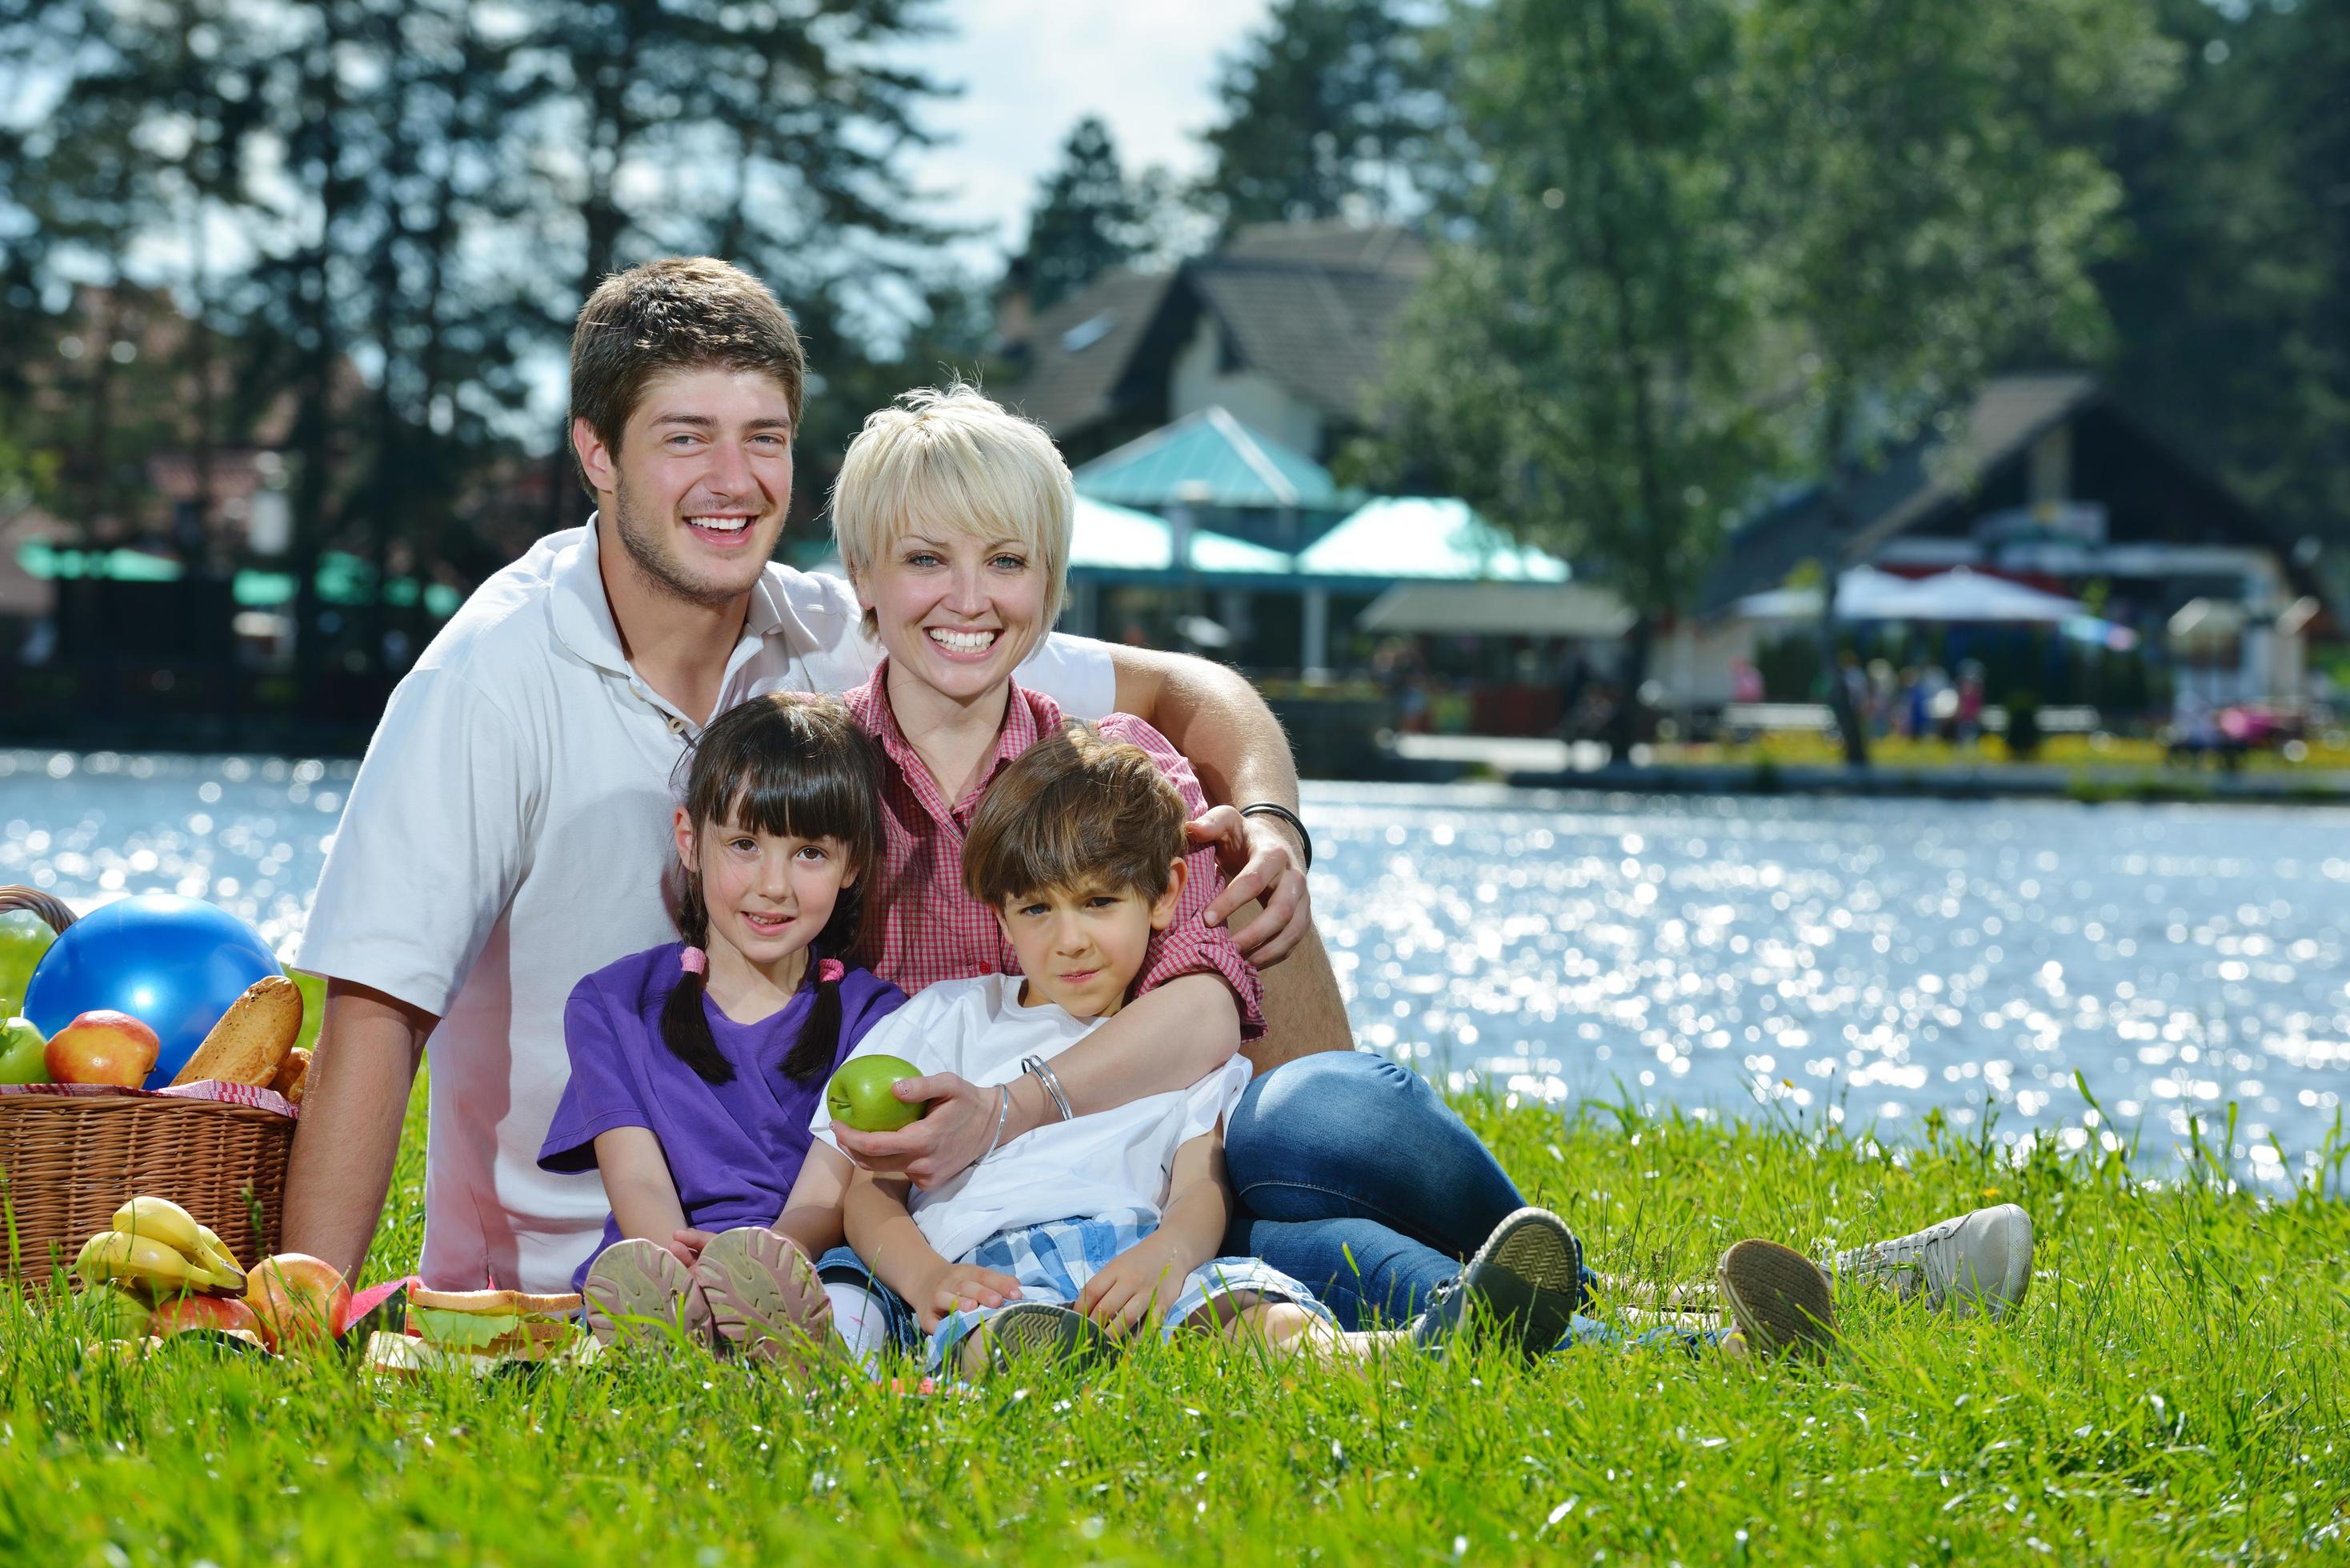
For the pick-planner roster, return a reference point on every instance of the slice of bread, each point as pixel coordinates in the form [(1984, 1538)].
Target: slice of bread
[(251, 1040)]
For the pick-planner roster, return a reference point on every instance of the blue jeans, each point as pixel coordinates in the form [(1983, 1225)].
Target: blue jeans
[(1354, 1178)]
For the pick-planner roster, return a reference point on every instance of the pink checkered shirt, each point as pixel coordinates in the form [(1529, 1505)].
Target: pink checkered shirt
[(933, 930)]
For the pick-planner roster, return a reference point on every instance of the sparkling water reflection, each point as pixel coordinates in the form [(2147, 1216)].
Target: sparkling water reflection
[(1864, 960)]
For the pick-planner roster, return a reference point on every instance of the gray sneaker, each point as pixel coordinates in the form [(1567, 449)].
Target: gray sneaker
[(1528, 1279), (1982, 1259)]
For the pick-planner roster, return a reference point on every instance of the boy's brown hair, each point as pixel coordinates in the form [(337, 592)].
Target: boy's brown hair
[(1075, 811), (687, 313)]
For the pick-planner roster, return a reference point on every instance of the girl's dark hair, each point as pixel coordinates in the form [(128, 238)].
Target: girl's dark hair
[(794, 766)]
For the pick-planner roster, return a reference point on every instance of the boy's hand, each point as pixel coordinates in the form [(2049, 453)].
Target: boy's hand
[(964, 1287), (686, 1245), (1140, 1283)]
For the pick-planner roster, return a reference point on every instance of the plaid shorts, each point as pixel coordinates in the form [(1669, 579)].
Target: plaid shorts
[(1053, 1260)]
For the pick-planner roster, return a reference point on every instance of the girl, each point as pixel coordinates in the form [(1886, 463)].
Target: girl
[(696, 1066)]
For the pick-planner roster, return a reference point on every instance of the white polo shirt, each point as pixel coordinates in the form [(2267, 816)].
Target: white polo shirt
[(507, 834)]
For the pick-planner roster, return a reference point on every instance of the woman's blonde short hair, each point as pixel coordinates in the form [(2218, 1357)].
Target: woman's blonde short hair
[(950, 459)]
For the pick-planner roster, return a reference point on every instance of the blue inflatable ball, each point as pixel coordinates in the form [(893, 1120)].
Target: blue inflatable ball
[(175, 964)]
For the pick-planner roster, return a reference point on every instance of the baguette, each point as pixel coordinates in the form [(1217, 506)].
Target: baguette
[(292, 1074), (249, 1042)]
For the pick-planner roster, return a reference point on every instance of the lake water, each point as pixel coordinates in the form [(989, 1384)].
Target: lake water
[(1862, 960)]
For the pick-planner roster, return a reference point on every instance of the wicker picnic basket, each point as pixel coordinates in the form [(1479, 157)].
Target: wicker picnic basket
[(66, 1163)]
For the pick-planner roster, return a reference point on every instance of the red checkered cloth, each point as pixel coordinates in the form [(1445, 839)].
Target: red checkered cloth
[(933, 931)]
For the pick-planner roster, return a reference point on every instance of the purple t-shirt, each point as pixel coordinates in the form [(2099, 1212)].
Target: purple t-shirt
[(733, 1149)]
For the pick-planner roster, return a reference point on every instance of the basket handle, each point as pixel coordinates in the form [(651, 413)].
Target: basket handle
[(48, 906)]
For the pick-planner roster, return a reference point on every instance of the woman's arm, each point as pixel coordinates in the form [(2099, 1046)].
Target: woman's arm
[(638, 1185), (812, 1214), (1168, 1038), (1219, 721)]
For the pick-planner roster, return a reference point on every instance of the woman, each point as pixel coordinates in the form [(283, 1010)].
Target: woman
[(953, 518)]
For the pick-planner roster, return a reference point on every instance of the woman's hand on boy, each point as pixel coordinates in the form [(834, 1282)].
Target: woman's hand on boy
[(964, 1287), (949, 1140), (1263, 861), (1140, 1283)]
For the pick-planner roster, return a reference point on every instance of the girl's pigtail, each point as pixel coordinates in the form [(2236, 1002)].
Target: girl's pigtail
[(685, 1026), (813, 1054)]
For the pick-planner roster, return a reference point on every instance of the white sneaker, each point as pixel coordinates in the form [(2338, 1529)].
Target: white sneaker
[(1980, 1259)]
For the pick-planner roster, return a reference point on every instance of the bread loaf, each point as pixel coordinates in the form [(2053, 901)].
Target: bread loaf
[(292, 1074), (249, 1042)]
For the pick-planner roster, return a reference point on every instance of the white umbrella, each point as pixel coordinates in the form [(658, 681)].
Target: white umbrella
[(1863, 593), (1964, 595)]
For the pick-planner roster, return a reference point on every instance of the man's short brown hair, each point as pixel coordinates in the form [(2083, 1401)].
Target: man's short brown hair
[(687, 313), (1075, 811)]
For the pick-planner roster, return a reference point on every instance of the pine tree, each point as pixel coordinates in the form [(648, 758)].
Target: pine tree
[(1087, 218), (1328, 112)]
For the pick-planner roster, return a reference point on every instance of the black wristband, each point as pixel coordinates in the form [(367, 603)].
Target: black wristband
[(1305, 839)]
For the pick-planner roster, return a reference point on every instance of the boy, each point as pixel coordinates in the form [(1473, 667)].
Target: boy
[(1087, 1231)]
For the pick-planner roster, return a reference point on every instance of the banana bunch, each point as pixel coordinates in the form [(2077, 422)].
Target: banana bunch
[(157, 1246)]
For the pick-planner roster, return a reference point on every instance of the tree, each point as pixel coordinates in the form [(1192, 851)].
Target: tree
[(1574, 367), (1087, 218), (1326, 111), (1936, 204), (2232, 299)]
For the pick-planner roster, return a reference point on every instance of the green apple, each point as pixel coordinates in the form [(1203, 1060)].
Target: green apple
[(23, 1055), (113, 1312), (858, 1096), (24, 938)]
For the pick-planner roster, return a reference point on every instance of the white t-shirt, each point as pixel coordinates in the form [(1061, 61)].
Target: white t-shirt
[(507, 836), (1099, 1164)]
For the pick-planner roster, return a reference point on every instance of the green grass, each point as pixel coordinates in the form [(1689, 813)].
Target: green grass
[(2174, 1391)]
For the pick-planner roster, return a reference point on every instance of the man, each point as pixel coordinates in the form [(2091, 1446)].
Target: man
[(506, 833)]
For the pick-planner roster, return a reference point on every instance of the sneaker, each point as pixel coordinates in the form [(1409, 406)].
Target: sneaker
[(765, 1298), (1778, 1298), (1527, 1277), (1026, 1329), (637, 1293), (1982, 1259)]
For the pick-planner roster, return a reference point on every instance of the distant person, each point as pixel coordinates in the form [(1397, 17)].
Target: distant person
[(503, 836), (1970, 710)]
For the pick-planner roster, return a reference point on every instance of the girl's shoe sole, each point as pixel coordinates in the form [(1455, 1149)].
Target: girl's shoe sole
[(637, 1293), (1026, 1329), (1779, 1298), (764, 1297)]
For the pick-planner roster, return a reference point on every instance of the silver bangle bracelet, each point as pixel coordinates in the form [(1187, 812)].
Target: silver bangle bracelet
[(1003, 1114), (1051, 1082)]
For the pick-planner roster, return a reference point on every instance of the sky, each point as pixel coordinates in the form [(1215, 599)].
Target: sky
[(1031, 68)]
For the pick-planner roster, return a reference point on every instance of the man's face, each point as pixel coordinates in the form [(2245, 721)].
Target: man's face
[(698, 490)]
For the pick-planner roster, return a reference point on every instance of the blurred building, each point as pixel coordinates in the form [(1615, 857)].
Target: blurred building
[(1285, 327), (2049, 487)]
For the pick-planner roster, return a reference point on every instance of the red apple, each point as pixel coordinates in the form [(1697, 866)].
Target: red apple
[(300, 1301), (184, 1312), (103, 1046)]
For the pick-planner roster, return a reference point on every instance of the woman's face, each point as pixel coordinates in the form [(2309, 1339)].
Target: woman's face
[(956, 612)]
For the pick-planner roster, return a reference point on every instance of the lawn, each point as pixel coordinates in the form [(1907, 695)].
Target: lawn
[(2175, 1389)]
